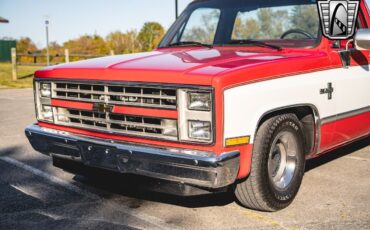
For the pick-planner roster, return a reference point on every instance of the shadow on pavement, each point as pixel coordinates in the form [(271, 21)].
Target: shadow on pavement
[(141, 188), (137, 186), (338, 153), (145, 189)]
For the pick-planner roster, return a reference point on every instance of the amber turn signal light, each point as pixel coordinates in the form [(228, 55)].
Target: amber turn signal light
[(237, 141)]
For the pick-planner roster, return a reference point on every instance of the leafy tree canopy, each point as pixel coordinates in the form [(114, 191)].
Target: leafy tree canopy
[(123, 43), (87, 45), (150, 35), (25, 45)]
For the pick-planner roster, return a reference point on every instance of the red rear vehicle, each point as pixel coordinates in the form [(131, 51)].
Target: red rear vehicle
[(239, 94)]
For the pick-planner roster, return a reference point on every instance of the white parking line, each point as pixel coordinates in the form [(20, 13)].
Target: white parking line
[(48, 177), (27, 191), (159, 223)]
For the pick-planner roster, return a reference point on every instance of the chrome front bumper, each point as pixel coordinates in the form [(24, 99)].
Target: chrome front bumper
[(203, 169)]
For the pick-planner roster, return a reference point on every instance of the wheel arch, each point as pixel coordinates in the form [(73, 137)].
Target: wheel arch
[(309, 116)]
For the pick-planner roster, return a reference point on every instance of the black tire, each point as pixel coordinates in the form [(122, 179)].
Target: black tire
[(259, 191)]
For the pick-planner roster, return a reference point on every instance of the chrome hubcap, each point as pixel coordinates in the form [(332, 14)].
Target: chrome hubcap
[(282, 160)]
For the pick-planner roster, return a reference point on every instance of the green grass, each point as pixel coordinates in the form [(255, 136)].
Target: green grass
[(25, 76)]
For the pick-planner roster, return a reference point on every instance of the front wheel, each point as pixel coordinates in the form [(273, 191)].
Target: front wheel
[(278, 164)]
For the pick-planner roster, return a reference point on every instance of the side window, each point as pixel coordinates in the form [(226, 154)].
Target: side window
[(201, 26)]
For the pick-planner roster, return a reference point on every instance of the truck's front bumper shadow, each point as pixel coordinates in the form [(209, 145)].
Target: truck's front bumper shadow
[(197, 168)]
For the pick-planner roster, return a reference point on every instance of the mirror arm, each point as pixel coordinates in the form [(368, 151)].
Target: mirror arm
[(345, 55), (347, 44)]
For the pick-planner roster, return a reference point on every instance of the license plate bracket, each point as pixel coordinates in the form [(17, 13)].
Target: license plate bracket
[(100, 156)]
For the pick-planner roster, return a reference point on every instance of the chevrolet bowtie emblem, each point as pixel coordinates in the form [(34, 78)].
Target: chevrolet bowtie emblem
[(102, 107)]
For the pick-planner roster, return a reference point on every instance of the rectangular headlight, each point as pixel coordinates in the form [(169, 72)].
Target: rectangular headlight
[(44, 110), (46, 113), (195, 109), (199, 101), (45, 90), (200, 130)]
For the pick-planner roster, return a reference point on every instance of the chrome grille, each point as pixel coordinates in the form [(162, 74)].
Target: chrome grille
[(141, 96), (117, 123)]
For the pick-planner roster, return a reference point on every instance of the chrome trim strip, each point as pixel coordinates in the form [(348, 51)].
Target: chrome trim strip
[(317, 120), (344, 115), (200, 168), (129, 83), (99, 141), (143, 84)]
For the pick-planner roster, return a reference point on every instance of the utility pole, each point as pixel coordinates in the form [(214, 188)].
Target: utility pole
[(47, 42), (177, 8)]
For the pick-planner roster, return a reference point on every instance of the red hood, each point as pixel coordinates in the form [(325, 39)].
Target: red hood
[(198, 66)]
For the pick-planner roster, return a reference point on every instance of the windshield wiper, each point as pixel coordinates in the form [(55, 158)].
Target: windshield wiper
[(256, 43), (189, 43)]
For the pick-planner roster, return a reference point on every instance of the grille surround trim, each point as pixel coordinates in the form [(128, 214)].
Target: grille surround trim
[(176, 86)]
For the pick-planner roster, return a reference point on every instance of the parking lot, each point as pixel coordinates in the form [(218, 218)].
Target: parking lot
[(335, 192)]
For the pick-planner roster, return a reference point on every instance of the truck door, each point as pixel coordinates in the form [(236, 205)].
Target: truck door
[(352, 95)]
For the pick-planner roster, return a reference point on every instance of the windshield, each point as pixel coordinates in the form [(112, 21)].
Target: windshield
[(238, 22)]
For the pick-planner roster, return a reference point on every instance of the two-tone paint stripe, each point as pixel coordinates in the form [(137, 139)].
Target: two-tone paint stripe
[(344, 115)]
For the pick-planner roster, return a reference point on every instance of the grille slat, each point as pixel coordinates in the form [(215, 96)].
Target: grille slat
[(140, 96), (142, 124), (118, 94), (117, 123)]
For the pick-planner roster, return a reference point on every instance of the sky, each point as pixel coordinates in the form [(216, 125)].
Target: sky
[(72, 18)]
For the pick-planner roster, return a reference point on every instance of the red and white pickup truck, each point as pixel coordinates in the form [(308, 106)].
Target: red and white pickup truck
[(239, 94)]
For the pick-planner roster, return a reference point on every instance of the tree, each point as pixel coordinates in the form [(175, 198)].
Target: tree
[(306, 18), (150, 35), (87, 44), (56, 51), (123, 43), (202, 30), (245, 30), (25, 45), (55, 48), (272, 23), (268, 24)]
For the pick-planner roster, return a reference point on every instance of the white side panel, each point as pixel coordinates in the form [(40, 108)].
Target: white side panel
[(245, 105)]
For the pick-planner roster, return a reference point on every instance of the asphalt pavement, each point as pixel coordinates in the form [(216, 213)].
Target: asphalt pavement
[(335, 193)]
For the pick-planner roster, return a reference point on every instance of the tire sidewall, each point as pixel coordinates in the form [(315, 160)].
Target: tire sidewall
[(280, 198)]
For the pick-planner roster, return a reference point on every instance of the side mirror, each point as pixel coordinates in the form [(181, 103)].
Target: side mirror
[(362, 39), (362, 42)]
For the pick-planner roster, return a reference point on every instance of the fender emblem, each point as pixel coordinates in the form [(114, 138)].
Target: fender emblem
[(328, 91), (102, 107)]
